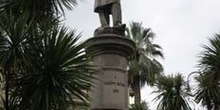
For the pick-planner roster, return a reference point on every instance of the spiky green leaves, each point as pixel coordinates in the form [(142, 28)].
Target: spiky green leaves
[(60, 77), (171, 93), (208, 89), (46, 67), (142, 106), (144, 63), (38, 7)]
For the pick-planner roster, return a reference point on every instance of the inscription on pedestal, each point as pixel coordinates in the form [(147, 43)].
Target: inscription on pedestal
[(113, 83), (114, 88), (110, 90)]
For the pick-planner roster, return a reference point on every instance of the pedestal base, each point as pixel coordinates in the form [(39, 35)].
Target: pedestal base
[(110, 90)]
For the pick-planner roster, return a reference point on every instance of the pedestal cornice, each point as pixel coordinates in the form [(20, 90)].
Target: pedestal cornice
[(111, 44)]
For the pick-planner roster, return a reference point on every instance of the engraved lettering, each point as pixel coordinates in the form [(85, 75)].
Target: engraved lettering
[(110, 83), (120, 84), (116, 90)]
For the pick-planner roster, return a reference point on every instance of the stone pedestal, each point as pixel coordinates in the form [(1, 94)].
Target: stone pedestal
[(110, 90)]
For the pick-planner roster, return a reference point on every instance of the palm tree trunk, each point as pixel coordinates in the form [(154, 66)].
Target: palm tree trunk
[(137, 93)]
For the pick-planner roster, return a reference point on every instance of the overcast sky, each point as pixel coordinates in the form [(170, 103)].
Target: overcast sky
[(181, 27)]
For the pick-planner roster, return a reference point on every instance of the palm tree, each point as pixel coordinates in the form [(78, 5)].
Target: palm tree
[(61, 73), (40, 11), (207, 91), (210, 56), (142, 106), (171, 93), (43, 66), (143, 67), (42, 8), (13, 35), (208, 82)]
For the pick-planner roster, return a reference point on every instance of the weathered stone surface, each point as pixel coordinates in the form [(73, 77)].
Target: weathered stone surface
[(110, 90), (111, 43), (110, 30)]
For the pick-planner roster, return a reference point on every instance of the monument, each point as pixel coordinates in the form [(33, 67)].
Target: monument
[(110, 87)]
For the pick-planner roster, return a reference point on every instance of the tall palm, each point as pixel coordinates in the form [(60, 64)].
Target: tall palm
[(143, 67), (208, 82), (171, 93)]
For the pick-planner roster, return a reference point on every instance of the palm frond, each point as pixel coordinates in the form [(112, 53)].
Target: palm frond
[(60, 76), (171, 95), (39, 7), (208, 82), (142, 106)]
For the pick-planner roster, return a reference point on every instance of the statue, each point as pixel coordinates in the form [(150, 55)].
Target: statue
[(105, 8)]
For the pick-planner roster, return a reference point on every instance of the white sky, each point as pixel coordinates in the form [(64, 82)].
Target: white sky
[(181, 27)]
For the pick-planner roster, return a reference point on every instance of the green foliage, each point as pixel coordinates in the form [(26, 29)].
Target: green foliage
[(45, 67), (142, 106), (38, 7), (143, 66), (210, 57), (13, 40), (208, 89), (171, 93), (144, 63)]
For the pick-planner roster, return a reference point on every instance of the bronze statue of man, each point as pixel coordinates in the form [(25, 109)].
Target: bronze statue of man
[(105, 8)]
